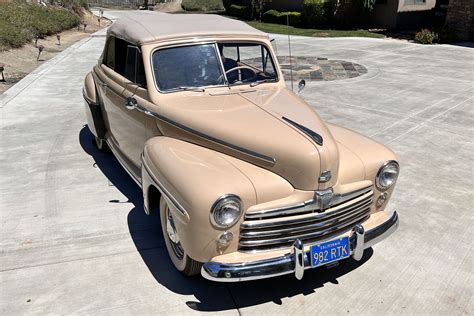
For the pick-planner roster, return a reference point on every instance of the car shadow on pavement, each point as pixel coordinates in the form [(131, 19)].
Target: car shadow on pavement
[(209, 296)]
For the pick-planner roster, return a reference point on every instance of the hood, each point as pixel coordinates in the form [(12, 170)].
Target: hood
[(269, 128)]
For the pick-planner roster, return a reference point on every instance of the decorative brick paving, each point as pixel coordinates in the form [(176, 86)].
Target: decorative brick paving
[(319, 69)]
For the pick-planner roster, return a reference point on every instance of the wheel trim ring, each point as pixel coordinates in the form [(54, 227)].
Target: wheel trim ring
[(175, 246)]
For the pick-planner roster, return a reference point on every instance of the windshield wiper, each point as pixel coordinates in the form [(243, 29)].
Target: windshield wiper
[(256, 83), (197, 89)]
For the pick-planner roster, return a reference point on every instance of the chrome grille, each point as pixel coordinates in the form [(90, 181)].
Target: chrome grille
[(281, 231)]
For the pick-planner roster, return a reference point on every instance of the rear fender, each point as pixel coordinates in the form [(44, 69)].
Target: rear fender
[(94, 116), (192, 178)]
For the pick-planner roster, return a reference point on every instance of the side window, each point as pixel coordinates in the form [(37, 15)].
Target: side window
[(110, 54), (134, 70), (126, 60)]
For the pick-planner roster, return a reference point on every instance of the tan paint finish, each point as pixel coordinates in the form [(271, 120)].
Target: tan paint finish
[(195, 171)]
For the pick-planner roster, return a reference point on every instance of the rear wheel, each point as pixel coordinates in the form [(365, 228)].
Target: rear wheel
[(101, 144), (178, 256)]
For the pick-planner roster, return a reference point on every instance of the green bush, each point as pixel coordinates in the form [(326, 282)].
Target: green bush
[(202, 5), (315, 13), (20, 22), (274, 16), (239, 11), (425, 36)]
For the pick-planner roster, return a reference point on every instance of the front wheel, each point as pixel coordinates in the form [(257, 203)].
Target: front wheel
[(178, 256)]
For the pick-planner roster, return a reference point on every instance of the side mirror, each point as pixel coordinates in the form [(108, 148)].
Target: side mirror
[(131, 103), (301, 85)]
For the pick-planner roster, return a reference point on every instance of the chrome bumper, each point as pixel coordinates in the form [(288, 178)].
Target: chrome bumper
[(297, 261)]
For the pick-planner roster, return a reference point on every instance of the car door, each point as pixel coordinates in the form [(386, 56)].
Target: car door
[(122, 76)]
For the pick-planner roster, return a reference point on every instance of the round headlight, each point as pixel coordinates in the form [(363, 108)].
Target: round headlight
[(387, 175), (226, 211)]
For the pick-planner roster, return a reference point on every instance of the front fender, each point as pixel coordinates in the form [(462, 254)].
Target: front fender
[(192, 178)]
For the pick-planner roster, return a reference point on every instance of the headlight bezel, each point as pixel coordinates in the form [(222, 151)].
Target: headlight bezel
[(386, 164), (220, 203)]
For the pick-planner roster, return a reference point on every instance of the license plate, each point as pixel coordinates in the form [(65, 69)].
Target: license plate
[(329, 251)]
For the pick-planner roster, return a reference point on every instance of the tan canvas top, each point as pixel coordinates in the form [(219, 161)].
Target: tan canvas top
[(146, 26)]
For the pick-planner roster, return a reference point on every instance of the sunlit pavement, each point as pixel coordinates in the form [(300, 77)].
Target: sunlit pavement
[(74, 237)]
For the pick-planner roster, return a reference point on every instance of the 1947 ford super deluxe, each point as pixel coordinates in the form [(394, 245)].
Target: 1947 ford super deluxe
[(248, 180)]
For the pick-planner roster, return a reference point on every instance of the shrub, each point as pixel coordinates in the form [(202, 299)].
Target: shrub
[(202, 5), (273, 16), (20, 22), (315, 13), (425, 36), (239, 11)]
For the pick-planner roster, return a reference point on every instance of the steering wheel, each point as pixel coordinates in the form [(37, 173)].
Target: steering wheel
[(236, 75)]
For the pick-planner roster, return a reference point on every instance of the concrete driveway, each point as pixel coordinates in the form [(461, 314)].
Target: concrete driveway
[(74, 237)]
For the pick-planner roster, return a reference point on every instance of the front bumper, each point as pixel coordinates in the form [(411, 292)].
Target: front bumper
[(299, 259)]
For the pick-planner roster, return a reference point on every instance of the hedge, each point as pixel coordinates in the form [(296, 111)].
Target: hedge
[(274, 16), (239, 11), (316, 13), (202, 5)]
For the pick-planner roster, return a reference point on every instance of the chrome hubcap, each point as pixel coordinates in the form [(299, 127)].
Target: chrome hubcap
[(173, 235)]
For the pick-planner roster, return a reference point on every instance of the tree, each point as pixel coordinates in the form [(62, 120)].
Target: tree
[(258, 7)]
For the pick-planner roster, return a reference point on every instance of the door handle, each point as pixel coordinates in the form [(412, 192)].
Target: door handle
[(103, 84), (131, 103)]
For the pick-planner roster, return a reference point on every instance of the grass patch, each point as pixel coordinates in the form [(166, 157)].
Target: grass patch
[(283, 29), (20, 22)]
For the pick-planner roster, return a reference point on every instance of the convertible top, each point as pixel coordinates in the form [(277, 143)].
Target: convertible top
[(147, 26)]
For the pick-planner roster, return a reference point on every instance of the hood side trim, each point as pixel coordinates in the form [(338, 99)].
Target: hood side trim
[(252, 153), (313, 135)]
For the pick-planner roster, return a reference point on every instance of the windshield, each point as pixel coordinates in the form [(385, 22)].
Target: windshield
[(247, 63), (202, 65), (187, 67)]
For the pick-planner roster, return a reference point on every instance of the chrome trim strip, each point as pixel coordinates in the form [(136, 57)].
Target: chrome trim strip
[(246, 271), (119, 159), (306, 206), (208, 137), (365, 208), (163, 190), (312, 134), (311, 235)]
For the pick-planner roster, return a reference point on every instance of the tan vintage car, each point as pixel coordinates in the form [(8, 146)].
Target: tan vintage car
[(248, 180)]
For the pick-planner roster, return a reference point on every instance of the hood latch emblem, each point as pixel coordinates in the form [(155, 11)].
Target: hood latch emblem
[(325, 176)]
